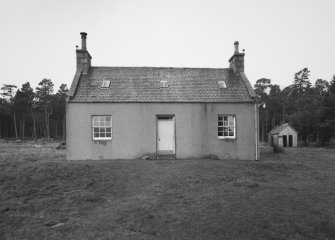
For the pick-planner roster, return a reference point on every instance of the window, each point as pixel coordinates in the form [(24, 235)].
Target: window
[(105, 84), (222, 84), (226, 126), (163, 84), (102, 127)]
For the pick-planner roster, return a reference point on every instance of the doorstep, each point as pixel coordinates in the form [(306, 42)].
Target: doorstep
[(166, 156)]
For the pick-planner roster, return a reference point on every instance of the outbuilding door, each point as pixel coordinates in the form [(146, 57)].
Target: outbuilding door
[(290, 140), (284, 140), (165, 135)]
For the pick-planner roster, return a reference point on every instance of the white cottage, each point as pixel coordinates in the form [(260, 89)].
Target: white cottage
[(128, 112), (284, 136)]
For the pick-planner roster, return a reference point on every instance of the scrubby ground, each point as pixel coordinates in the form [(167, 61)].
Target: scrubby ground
[(289, 195)]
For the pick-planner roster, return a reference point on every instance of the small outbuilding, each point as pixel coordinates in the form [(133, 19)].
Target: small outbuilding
[(284, 136)]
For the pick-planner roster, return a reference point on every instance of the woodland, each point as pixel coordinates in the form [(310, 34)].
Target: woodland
[(309, 108), (26, 113)]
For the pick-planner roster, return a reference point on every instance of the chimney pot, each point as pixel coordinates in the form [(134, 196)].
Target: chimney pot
[(236, 47), (83, 40)]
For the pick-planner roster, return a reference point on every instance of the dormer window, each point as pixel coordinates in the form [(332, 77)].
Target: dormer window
[(105, 84), (163, 84), (222, 84)]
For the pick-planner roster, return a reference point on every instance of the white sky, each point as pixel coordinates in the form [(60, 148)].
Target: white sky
[(280, 37)]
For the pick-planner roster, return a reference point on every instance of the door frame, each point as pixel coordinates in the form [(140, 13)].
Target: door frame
[(174, 132)]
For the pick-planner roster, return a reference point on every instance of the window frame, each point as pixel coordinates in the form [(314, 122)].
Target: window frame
[(105, 84), (226, 126), (103, 126)]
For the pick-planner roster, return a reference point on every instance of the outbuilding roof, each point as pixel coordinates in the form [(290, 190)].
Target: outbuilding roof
[(277, 130), (143, 84)]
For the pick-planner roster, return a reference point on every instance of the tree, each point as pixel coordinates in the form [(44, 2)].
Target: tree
[(8, 92), (43, 94), (327, 126), (25, 100), (275, 105), (321, 87), (59, 109), (307, 117), (261, 87), (301, 81)]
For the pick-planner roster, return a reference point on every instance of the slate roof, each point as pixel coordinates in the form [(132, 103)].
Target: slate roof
[(278, 129), (142, 84)]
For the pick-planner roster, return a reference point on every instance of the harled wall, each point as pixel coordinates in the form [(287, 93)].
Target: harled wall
[(134, 130)]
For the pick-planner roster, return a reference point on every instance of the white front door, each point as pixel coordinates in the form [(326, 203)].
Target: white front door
[(165, 135)]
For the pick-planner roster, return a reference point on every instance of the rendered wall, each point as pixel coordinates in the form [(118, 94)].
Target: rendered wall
[(134, 130)]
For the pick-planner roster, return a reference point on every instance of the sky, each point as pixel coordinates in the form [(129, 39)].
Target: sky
[(280, 37)]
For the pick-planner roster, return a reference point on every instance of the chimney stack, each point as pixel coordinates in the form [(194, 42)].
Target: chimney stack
[(236, 62), (83, 56)]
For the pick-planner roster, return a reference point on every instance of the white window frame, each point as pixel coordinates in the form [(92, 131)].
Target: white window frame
[(101, 127), (226, 127), (222, 84), (105, 84)]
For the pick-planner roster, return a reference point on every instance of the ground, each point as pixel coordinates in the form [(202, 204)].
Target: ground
[(287, 195)]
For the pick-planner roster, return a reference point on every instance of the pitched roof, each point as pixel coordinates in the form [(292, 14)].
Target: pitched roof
[(142, 84), (278, 129)]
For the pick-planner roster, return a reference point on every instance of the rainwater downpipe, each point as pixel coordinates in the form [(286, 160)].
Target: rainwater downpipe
[(256, 125), (256, 132)]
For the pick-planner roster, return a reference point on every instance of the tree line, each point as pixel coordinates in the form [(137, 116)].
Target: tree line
[(26, 113), (309, 108)]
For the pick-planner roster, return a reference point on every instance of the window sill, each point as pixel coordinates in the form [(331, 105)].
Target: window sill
[(229, 139)]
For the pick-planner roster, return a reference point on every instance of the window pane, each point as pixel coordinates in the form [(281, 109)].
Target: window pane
[(95, 130), (95, 122), (96, 135), (225, 134), (102, 135), (231, 122), (102, 130), (220, 123), (109, 130), (109, 135), (108, 118), (231, 134), (220, 134)]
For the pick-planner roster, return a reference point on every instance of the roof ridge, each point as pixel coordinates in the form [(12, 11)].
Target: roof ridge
[(158, 67)]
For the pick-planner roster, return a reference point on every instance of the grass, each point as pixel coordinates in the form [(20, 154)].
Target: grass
[(287, 195)]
